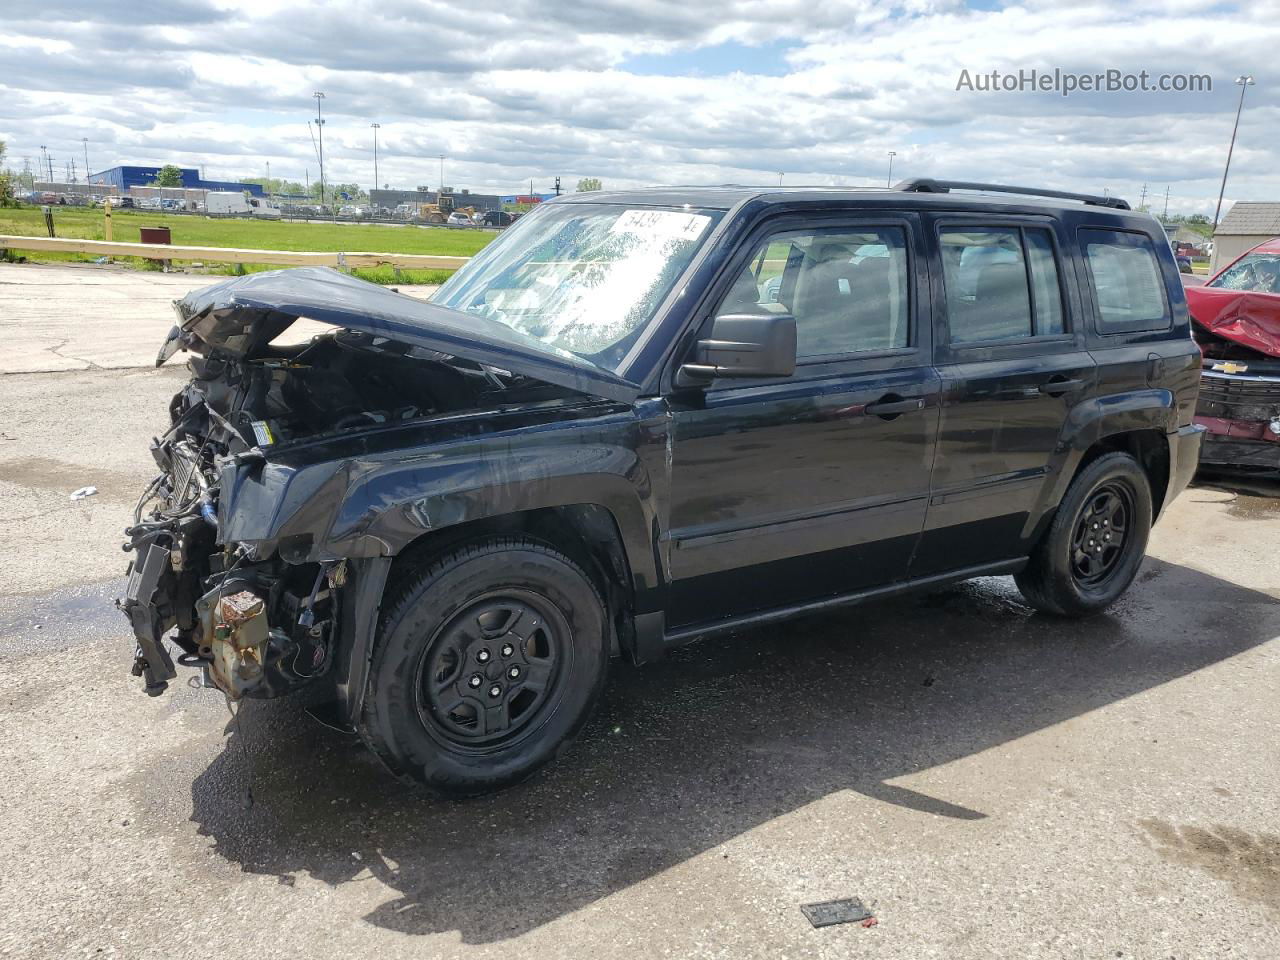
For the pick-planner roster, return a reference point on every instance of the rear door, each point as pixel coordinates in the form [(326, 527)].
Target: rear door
[(1141, 328), (795, 489), (1011, 351)]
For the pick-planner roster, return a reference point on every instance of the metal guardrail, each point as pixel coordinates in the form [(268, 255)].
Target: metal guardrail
[(284, 258)]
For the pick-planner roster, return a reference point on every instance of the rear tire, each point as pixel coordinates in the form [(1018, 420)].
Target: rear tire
[(487, 664), (1095, 544)]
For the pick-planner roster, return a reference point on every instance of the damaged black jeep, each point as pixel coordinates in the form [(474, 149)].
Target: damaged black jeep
[(636, 419)]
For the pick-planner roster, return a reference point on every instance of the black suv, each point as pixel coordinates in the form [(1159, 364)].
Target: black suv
[(639, 418)]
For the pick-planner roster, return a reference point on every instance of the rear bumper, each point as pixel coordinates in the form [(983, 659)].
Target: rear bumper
[(1184, 457)]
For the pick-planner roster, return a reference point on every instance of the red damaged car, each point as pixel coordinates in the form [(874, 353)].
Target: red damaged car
[(1237, 324)]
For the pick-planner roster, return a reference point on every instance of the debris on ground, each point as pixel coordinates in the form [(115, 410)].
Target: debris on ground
[(830, 912), (84, 492)]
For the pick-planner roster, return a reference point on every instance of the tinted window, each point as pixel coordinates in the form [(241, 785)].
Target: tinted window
[(1045, 289), (1001, 283), (1127, 282), (847, 289)]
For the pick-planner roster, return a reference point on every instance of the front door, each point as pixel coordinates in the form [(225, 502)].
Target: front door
[(791, 490)]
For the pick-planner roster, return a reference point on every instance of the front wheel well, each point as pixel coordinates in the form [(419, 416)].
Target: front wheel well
[(1149, 447), (586, 533)]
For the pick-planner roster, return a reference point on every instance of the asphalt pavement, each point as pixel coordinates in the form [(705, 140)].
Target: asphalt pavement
[(989, 781)]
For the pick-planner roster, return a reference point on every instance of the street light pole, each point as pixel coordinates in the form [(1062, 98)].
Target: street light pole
[(320, 126), (440, 193), (376, 128), (1244, 82), (888, 181)]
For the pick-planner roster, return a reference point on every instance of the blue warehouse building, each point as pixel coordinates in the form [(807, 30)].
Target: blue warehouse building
[(122, 178)]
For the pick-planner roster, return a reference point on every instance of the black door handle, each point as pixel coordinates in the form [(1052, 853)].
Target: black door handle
[(891, 408), (1056, 388)]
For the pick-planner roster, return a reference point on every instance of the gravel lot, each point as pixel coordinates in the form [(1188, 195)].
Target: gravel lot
[(992, 782)]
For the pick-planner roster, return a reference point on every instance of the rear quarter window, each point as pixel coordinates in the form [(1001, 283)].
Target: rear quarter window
[(1128, 285)]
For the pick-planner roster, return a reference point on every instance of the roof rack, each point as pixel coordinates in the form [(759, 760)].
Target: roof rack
[(928, 185)]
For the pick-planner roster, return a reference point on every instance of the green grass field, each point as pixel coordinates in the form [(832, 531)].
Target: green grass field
[(87, 223)]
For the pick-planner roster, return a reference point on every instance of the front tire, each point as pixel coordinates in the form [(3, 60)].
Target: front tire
[(1095, 544), (487, 664)]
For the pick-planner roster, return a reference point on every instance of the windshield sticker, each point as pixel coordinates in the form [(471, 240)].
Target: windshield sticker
[(665, 223)]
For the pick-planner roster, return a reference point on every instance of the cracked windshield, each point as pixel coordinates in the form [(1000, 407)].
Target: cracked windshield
[(586, 278)]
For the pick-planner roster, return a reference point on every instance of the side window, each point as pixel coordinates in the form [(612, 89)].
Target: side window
[(1127, 281), (847, 288), (1001, 284), (1046, 291)]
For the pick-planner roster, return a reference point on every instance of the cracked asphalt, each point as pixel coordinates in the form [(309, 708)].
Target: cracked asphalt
[(992, 782)]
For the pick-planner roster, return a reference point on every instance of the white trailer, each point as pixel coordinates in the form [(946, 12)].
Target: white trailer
[(230, 203)]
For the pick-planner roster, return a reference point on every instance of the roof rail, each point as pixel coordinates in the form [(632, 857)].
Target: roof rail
[(927, 185)]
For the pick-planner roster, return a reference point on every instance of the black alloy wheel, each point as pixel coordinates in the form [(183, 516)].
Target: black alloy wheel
[(492, 669), (1100, 533), (1094, 545), (489, 658)]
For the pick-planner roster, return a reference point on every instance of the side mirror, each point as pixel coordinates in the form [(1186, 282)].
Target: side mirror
[(743, 345)]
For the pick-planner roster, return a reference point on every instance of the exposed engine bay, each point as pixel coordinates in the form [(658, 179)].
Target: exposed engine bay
[(259, 625), (268, 444)]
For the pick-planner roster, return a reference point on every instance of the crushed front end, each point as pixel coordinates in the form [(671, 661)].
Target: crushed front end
[(256, 625), (252, 547), (1239, 406)]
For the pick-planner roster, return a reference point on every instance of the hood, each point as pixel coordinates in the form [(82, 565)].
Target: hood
[(241, 315), (1241, 316)]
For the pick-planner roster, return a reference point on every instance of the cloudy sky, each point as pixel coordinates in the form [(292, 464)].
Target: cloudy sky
[(640, 92)]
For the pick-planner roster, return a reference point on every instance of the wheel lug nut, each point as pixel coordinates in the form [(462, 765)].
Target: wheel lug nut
[(508, 649), (495, 691), (474, 680), (514, 673), (483, 656)]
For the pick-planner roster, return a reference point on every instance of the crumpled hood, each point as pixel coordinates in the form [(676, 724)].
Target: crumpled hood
[(1247, 318), (241, 315)]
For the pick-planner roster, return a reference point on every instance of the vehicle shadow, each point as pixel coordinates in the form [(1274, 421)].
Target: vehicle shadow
[(722, 736)]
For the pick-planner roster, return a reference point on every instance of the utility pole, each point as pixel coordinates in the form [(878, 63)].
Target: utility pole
[(376, 127), (44, 152), (1165, 215), (557, 186), (888, 181), (440, 193), (85, 141), (780, 174), (1142, 201), (1245, 83), (320, 126)]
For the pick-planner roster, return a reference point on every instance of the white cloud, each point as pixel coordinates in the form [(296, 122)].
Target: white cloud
[(522, 89)]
